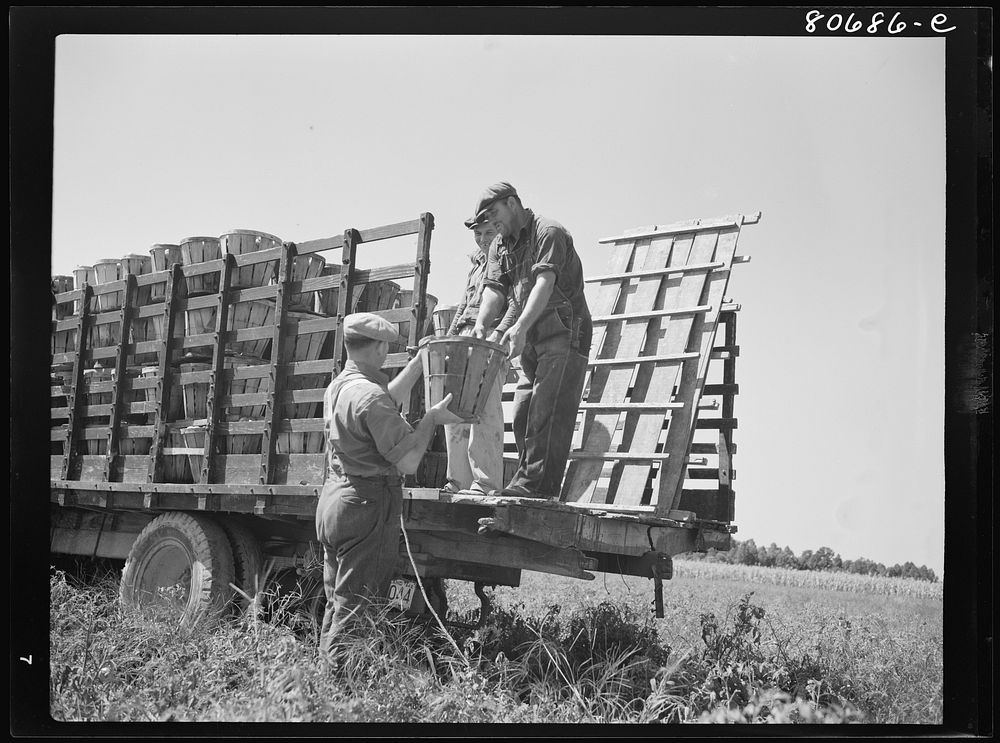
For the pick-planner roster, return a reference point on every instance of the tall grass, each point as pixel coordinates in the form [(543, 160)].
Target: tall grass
[(605, 661)]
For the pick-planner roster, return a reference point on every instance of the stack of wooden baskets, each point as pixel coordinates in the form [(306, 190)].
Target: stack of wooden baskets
[(186, 402)]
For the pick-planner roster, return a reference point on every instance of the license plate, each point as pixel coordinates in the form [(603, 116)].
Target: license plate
[(401, 593)]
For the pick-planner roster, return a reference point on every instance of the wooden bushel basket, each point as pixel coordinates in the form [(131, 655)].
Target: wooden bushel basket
[(375, 296), (173, 406), (176, 467), (108, 271), (162, 256), (431, 303), (200, 250), (130, 395), (310, 442), (241, 242), (57, 393), (245, 443), (91, 378), (442, 318), (61, 284), (194, 438), (57, 401), (195, 394), (197, 322), (105, 334), (64, 341), (304, 347), (138, 265), (84, 275), (308, 266), (146, 329), (257, 313), (405, 299), (326, 299), (138, 445), (466, 368)]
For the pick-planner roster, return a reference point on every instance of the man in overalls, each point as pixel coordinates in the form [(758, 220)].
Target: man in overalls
[(535, 268), (369, 446), (475, 450)]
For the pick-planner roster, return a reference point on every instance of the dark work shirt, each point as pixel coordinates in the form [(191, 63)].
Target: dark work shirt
[(514, 263)]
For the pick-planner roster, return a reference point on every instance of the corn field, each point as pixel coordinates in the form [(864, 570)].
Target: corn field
[(827, 581)]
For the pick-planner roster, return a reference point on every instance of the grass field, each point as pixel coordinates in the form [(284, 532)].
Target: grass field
[(731, 647)]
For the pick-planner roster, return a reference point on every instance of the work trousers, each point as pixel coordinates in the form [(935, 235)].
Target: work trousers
[(475, 450), (546, 403), (357, 522)]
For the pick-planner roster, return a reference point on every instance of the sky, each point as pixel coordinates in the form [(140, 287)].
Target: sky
[(838, 142)]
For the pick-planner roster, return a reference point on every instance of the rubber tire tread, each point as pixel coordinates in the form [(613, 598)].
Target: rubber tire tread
[(206, 541), (248, 560)]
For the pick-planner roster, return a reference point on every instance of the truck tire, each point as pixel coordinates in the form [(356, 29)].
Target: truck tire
[(248, 562), (190, 552)]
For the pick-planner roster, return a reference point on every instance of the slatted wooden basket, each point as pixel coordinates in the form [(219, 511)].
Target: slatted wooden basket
[(201, 250), (463, 366)]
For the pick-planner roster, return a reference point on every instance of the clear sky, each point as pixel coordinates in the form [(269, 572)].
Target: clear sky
[(838, 142)]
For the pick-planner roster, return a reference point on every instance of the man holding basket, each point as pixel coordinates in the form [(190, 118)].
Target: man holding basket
[(534, 268), (369, 447), (475, 451)]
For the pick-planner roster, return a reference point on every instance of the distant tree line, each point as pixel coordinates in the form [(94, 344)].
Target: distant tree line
[(748, 553)]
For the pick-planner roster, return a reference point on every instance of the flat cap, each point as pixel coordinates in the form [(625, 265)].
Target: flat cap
[(495, 192), (472, 222), (367, 325)]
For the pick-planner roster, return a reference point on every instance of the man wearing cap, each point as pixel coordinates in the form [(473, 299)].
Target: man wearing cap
[(534, 266), (368, 445), (475, 451)]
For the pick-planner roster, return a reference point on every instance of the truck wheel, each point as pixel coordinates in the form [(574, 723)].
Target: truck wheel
[(248, 562), (179, 563)]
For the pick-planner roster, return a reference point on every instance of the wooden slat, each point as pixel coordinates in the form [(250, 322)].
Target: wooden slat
[(272, 412), (385, 273), (164, 375), (74, 398), (632, 361), (652, 272), (630, 405), (613, 456), (716, 423), (213, 406), (640, 297), (316, 246), (201, 268), (692, 226), (681, 431), (389, 231), (666, 334), (118, 390), (253, 293), (346, 293), (643, 430), (653, 313), (726, 445), (256, 257), (70, 323), (581, 477)]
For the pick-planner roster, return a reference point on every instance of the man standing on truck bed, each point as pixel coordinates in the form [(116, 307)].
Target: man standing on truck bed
[(534, 266), (368, 445), (475, 451)]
